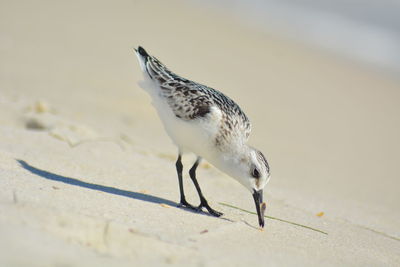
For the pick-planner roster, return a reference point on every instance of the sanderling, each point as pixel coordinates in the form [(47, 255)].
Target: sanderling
[(204, 121)]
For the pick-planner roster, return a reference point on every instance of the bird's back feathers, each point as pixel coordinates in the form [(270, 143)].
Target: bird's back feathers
[(190, 100)]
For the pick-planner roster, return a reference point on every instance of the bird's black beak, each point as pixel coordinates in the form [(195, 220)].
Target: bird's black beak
[(258, 199)]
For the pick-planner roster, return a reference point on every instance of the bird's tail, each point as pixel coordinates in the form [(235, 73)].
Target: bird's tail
[(153, 68), (142, 57)]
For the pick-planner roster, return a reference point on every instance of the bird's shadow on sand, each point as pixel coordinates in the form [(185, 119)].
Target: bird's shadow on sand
[(101, 188)]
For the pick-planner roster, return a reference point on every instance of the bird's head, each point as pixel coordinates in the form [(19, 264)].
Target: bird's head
[(251, 169)]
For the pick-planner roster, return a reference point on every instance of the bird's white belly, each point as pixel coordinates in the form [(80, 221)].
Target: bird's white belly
[(195, 136)]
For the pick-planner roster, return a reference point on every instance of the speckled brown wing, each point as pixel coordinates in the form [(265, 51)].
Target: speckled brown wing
[(185, 102), (190, 100)]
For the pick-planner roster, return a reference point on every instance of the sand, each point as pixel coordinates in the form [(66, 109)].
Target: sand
[(87, 175)]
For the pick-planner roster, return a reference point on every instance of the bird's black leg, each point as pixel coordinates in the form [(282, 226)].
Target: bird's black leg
[(203, 203), (179, 168)]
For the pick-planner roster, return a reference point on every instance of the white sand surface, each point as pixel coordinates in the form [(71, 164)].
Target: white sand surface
[(87, 175)]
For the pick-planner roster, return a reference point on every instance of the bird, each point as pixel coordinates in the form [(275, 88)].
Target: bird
[(207, 123)]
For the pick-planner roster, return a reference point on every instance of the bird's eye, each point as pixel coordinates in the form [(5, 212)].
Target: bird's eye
[(255, 173)]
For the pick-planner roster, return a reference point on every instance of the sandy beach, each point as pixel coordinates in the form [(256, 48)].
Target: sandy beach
[(87, 174)]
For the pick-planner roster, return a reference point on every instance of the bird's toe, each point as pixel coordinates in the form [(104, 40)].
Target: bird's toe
[(185, 204)]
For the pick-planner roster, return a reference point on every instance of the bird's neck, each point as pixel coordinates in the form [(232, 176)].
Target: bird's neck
[(229, 161)]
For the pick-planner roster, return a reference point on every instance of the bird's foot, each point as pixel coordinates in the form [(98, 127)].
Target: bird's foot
[(185, 204), (210, 210)]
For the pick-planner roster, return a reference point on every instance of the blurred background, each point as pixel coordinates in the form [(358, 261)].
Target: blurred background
[(366, 31), (319, 80)]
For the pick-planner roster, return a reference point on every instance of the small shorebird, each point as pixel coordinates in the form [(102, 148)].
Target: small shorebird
[(209, 124)]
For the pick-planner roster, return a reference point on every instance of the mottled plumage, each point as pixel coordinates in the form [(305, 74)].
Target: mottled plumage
[(204, 121), (190, 100)]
